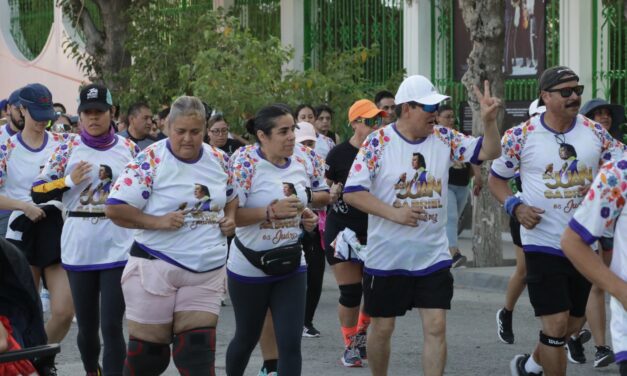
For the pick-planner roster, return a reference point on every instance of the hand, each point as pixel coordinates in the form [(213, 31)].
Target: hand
[(528, 216), (286, 208), (583, 190), (477, 185), (409, 216), (81, 172), (4, 343), (309, 220), (34, 213), (335, 192), (227, 226), (171, 221), (489, 104)]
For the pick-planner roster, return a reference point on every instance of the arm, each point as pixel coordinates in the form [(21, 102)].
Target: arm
[(320, 199), (281, 209), (368, 203), (591, 266), (499, 188), (491, 146), (475, 172), (31, 211), (227, 224), (125, 215)]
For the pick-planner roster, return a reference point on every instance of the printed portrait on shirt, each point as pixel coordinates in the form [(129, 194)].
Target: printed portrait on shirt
[(568, 172), (199, 210), (97, 194), (417, 183)]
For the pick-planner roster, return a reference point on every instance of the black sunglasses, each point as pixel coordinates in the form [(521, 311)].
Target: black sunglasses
[(568, 91)]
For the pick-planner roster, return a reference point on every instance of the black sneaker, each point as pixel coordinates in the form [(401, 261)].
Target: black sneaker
[(504, 326), (517, 366), (574, 350), (459, 260), (310, 332), (603, 357)]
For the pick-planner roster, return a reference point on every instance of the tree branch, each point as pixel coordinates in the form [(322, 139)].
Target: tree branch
[(93, 37)]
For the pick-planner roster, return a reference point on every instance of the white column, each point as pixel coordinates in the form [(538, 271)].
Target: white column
[(226, 4), (576, 40), (293, 31), (417, 37)]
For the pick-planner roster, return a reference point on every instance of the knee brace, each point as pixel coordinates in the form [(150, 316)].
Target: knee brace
[(194, 352), (350, 295), (552, 341), (146, 358)]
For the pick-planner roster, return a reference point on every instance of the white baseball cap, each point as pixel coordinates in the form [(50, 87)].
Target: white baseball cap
[(418, 89), (305, 132), (534, 109)]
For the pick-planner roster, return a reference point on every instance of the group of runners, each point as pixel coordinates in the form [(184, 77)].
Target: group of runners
[(158, 234)]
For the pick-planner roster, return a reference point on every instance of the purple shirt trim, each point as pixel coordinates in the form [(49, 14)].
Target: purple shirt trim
[(543, 249), (475, 154), (115, 201), (43, 145), (10, 130), (499, 176), (585, 235), (262, 156), (4, 213), (355, 188), (169, 147), (260, 280), (406, 140), (445, 264), (89, 268), (163, 257), (39, 182), (621, 357), (570, 128)]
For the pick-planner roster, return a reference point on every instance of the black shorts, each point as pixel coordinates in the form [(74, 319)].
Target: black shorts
[(555, 285), (393, 296), (514, 230), (331, 229)]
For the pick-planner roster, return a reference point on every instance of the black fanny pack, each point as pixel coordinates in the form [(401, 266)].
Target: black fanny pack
[(276, 261)]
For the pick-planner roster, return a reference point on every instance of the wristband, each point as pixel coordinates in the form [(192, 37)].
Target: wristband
[(309, 195), (511, 203), (69, 182)]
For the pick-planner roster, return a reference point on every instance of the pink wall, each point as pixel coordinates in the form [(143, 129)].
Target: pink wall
[(51, 68)]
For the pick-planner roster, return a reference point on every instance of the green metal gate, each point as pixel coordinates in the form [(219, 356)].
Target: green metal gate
[(262, 17), (31, 21)]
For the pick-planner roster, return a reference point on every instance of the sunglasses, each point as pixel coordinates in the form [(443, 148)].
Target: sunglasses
[(568, 91), (378, 121), (430, 108)]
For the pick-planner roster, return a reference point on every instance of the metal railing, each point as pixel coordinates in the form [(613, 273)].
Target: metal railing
[(262, 17), (31, 22)]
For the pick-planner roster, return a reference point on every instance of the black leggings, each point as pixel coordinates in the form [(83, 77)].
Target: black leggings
[(286, 300), (314, 255), (98, 299)]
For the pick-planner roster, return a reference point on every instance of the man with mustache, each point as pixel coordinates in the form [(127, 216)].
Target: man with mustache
[(557, 291)]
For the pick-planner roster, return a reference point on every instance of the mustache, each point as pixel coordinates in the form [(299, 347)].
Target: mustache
[(576, 103)]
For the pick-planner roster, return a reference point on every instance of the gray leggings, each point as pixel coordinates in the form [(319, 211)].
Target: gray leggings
[(286, 300)]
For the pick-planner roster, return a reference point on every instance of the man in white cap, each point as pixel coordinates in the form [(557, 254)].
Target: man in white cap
[(407, 262)]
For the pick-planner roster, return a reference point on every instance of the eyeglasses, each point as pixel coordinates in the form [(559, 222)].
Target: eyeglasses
[(388, 109), (378, 121), (568, 91), (430, 108), (219, 131)]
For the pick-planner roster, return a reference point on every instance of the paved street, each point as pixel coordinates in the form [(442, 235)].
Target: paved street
[(473, 346)]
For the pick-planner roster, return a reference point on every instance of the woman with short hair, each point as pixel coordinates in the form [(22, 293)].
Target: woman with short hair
[(174, 281)]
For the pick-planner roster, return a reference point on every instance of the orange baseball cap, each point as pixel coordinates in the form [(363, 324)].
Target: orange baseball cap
[(364, 108)]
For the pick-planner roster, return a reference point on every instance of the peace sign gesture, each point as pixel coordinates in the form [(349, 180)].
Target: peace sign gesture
[(489, 104)]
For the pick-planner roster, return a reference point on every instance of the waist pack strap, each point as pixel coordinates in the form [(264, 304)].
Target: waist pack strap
[(252, 256)]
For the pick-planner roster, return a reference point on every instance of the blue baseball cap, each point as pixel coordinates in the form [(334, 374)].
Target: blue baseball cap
[(38, 100), (14, 98), (3, 104)]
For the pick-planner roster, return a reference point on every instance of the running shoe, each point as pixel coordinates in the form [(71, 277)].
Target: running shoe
[(350, 357), (603, 357), (575, 351), (97, 372), (504, 326), (517, 366), (310, 332), (459, 260), (264, 372), (360, 344)]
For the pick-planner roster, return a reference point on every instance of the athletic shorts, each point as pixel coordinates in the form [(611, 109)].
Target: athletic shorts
[(42, 251), (394, 295), (514, 230), (154, 290), (332, 228), (555, 285)]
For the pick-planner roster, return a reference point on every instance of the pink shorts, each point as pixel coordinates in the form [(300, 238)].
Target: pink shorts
[(154, 290)]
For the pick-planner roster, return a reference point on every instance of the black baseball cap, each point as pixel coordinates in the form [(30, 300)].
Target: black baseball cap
[(95, 97), (555, 76)]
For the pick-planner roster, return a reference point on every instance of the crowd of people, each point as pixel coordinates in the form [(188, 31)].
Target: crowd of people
[(155, 217)]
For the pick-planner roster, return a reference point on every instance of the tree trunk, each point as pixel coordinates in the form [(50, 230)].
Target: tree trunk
[(484, 19)]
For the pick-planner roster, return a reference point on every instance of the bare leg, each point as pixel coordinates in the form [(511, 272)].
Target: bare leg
[(434, 329), (381, 329), (516, 284), (61, 304), (267, 341)]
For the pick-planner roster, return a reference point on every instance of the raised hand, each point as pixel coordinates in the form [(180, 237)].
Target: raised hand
[(489, 104), (80, 172)]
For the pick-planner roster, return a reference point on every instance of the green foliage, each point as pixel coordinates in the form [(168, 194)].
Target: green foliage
[(209, 55)]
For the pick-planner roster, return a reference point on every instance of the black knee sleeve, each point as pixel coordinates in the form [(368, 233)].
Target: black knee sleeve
[(194, 352), (146, 358), (552, 341), (350, 295)]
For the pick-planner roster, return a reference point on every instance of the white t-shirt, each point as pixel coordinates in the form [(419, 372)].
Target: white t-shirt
[(601, 214), (5, 134), (158, 183), (19, 167), (552, 174), (258, 182), (403, 173), (91, 243), (324, 145)]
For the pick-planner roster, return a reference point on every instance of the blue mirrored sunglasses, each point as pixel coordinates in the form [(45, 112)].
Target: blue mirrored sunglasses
[(430, 108)]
